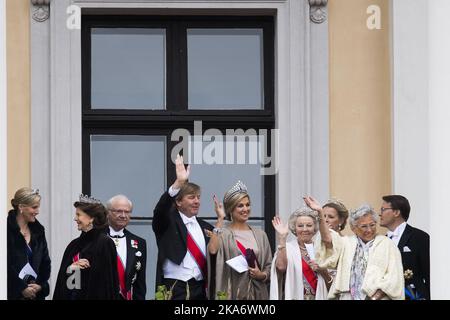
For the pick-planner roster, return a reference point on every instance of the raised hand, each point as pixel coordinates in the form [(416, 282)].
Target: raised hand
[(181, 171), (218, 207), (281, 228), (312, 203)]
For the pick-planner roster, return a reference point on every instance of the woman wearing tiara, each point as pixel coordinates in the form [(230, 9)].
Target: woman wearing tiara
[(335, 214), (246, 248), (294, 274), (89, 266), (28, 259), (291, 280)]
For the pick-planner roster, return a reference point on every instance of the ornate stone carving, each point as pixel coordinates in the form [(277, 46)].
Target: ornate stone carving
[(318, 10), (41, 10)]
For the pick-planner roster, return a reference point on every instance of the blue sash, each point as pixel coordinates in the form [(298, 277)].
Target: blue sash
[(29, 254), (411, 294)]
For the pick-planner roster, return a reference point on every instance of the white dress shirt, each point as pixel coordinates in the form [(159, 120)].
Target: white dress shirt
[(121, 245), (397, 233), (188, 268)]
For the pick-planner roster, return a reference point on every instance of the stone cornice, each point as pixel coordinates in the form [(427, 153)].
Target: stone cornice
[(318, 10), (41, 10)]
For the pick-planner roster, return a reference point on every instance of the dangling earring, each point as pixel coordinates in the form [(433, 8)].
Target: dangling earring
[(340, 227), (90, 226)]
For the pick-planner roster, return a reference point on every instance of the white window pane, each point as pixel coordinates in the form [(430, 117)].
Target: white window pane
[(131, 165), (128, 68), (216, 166), (225, 68)]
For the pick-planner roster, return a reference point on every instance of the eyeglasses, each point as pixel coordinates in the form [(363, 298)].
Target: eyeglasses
[(367, 226), (120, 212), (384, 209)]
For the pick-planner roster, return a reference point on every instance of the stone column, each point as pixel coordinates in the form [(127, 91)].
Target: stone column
[(3, 149), (421, 100), (439, 137)]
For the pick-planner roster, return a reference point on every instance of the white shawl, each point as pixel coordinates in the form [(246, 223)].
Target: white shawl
[(293, 279), (384, 268)]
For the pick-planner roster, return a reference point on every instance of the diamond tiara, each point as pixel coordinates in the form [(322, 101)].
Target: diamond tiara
[(335, 201), (84, 198), (239, 187), (35, 192)]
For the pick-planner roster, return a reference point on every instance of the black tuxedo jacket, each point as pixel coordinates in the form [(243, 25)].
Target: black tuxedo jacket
[(414, 247), (136, 264), (171, 234)]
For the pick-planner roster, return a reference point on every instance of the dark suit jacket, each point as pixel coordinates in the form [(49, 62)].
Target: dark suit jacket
[(17, 258), (136, 264), (171, 233), (418, 259)]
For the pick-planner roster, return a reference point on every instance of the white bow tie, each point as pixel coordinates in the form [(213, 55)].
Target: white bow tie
[(391, 234), (189, 220), (115, 233)]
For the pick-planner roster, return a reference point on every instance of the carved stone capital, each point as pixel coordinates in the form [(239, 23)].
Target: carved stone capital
[(318, 10), (41, 10)]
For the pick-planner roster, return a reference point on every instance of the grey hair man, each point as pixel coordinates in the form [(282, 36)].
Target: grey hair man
[(131, 249)]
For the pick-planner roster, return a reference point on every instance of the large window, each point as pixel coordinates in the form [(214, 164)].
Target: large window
[(144, 77)]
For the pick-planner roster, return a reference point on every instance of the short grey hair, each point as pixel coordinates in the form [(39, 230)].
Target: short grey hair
[(362, 211), (110, 202), (303, 212)]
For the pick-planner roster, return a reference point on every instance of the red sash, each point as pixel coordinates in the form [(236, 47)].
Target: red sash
[(197, 254), (243, 251), (121, 272), (241, 247), (309, 275)]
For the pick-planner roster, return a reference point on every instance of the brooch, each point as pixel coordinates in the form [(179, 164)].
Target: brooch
[(408, 274)]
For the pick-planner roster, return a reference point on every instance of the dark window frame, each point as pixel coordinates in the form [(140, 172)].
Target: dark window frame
[(177, 115)]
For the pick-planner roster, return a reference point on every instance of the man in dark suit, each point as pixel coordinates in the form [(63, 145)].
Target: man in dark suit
[(131, 249), (181, 239), (413, 243)]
